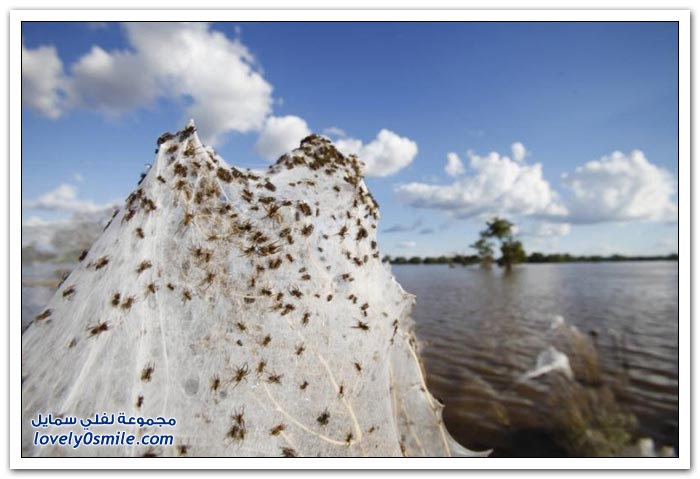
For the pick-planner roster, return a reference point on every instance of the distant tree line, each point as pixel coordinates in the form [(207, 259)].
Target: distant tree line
[(465, 260), (499, 233)]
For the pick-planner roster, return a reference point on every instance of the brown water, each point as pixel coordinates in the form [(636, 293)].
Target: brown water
[(481, 330)]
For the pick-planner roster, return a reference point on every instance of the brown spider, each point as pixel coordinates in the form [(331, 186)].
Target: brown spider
[(143, 266), (240, 374), (98, 329), (275, 431), (362, 326), (69, 292), (146, 373), (288, 452), (128, 303), (323, 418), (102, 262)]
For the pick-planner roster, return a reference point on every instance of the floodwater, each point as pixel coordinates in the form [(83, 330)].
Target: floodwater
[(39, 282), (481, 330)]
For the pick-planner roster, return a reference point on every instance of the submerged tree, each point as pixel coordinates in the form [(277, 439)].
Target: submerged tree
[(512, 252), (484, 250), (501, 230)]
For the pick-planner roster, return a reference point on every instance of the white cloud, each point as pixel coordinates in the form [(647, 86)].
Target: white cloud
[(33, 221), (279, 135), (454, 166), (78, 177), (349, 146), (63, 198), (617, 188), (42, 80), (334, 131), (519, 151), (385, 155), (548, 230), (407, 244), (106, 82), (216, 76), (499, 185), (621, 187)]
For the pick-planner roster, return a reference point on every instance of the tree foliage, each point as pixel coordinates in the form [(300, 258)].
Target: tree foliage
[(499, 230)]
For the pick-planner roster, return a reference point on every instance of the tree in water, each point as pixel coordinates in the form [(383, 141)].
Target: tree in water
[(484, 250), (501, 230)]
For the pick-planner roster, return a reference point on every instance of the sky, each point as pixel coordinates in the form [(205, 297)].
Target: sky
[(569, 130)]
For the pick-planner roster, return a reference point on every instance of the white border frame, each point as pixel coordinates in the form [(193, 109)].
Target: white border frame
[(684, 237)]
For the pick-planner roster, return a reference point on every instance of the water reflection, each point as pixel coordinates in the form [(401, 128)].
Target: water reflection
[(482, 330)]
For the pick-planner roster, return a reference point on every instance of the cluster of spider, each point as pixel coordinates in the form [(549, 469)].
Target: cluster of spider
[(265, 229)]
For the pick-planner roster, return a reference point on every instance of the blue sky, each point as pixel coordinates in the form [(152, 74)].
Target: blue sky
[(593, 104)]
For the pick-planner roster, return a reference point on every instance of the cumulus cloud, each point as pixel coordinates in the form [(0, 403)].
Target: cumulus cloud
[(385, 155), (63, 198), (519, 151), (334, 131), (106, 82), (621, 187), (497, 185), (407, 244), (42, 80), (618, 187), (215, 76), (279, 135), (454, 166)]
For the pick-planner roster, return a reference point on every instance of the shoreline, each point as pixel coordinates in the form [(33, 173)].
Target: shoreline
[(587, 260)]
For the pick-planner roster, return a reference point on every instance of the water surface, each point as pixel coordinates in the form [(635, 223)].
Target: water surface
[(481, 330)]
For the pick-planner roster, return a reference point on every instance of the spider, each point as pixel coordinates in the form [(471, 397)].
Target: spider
[(128, 303), (275, 431), (272, 212), (116, 299), (102, 262), (240, 374), (362, 326), (143, 266), (146, 373), (323, 418), (288, 452), (98, 329)]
